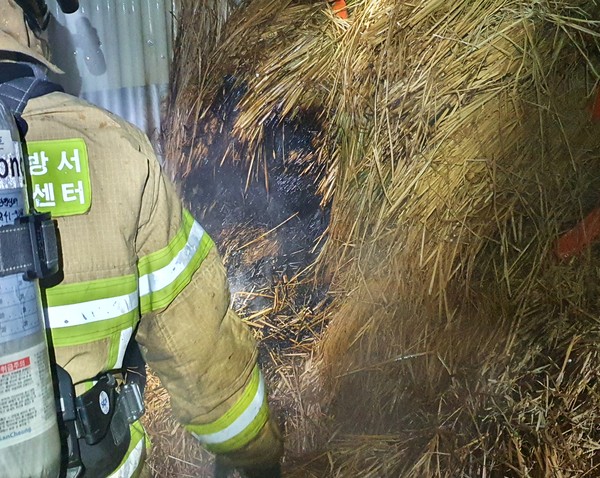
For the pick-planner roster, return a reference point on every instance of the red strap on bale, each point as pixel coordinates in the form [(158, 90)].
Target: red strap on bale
[(573, 242), (340, 9), (576, 240)]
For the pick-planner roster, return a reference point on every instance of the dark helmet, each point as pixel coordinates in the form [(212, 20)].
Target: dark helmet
[(21, 23), (36, 12)]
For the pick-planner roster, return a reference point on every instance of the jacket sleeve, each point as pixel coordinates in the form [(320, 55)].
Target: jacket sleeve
[(191, 338)]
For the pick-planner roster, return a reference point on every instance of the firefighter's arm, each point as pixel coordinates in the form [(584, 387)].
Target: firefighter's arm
[(202, 352)]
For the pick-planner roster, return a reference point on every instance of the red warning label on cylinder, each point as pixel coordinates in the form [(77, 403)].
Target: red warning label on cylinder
[(26, 399), (15, 365)]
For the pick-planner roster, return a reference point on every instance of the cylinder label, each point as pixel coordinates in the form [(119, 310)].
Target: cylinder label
[(27, 406), (6, 143), (19, 309), (12, 205), (11, 164)]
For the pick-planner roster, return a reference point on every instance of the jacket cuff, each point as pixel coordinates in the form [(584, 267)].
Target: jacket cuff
[(264, 451), (241, 424)]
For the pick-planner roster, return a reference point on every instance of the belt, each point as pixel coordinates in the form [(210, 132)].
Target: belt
[(96, 424)]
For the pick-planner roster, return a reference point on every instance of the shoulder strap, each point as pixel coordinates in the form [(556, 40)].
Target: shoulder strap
[(29, 245), (17, 92)]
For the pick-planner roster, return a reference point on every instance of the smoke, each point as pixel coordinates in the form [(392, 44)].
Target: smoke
[(267, 220)]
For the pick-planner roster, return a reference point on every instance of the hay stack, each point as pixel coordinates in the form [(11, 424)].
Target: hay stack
[(199, 26), (457, 145)]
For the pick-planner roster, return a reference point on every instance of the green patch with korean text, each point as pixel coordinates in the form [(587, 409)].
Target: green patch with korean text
[(60, 176)]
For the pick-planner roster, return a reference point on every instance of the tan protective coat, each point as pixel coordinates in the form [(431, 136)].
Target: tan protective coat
[(197, 345)]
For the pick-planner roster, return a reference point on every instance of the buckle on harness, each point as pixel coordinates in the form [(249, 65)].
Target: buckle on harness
[(131, 402), (33, 247), (97, 423), (96, 408), (44, 246)]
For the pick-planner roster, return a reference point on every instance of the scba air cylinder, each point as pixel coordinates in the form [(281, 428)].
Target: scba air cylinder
[(29, 437)]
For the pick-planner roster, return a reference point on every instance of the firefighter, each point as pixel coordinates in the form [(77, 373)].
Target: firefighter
[(135, 264)]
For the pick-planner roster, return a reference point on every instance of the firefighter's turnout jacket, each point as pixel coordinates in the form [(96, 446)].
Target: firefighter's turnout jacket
[(134, 258), (137, 253)]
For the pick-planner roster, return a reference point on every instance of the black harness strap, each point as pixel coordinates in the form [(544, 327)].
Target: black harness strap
[(17, 91), (29, 246)]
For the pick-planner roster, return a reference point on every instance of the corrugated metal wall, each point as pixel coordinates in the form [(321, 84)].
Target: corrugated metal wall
[(116, 54)]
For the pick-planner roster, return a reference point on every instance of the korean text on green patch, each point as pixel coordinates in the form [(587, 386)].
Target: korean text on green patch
[(60, 176)]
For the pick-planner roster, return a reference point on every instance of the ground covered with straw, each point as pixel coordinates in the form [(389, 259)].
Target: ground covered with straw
[(456, 142)]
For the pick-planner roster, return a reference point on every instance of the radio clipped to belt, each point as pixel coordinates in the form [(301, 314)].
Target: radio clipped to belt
[(97, 423)]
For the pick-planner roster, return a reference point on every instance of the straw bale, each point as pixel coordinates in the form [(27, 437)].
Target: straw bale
[(203, 22), (457, 145), (462, 353)]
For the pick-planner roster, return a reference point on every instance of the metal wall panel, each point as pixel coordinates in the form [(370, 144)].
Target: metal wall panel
[(116, 54)]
